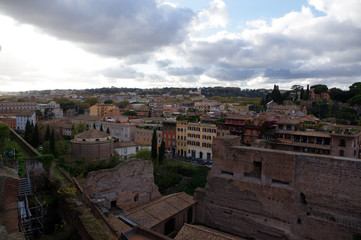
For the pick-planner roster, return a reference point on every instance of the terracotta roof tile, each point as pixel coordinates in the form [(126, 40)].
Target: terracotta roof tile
[(158, 210)]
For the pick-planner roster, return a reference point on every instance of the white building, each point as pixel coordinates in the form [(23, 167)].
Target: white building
[(22, 118), (124, 149)]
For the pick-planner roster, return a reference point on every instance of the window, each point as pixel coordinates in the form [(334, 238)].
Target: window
[(256, 172), (342, 153), (342, 143)]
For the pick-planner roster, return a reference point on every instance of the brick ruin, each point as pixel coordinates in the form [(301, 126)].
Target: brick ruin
[(272, 194), (127, 183)]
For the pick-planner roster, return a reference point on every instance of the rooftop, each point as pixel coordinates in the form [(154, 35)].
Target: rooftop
[(201, 232), (92, 133), (156, 211)]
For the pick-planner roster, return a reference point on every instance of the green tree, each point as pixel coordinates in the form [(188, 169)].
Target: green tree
[(144, 154), (109, 101), (35, 138), (319, 88), (52, 142), (4, 134), (108, 130), (276, 95), (307, 93), (154, 147), (122, 104), (129, 113), (339, 95), (101, 127), (355, 100), (91, 101), (28, 135), (161, 153), (78, 128), (47, 133)]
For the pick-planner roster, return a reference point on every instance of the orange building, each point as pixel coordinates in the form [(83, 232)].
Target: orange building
[(143, 136), (169, 137), (101, 109), (10, 121)]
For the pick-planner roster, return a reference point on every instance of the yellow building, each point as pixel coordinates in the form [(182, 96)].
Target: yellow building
[(181, 134), (101, 109), (200, 139)]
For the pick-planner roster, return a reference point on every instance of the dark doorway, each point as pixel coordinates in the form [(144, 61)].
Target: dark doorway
[(190, 215), (169, 226)]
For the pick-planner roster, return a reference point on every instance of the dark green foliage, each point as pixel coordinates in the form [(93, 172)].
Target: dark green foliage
[(144, 154), (109, 101), (355, 100), (256, 108), (307, 93), (302, 94), (4, 134), (91, 101), (47, 133), (82, 168), (46, 160), (108, 131), (101, 127), (35, 139), (188, 118), (231, 92), (319, 88), (276, 95), (154, 147), (28, 135), (122, 104), (347, 116), (168, 175), (339, 95), (65, 103), (320, 109), (129, 113), (355, 89), (52, 142), (21, 168), (161, 152), (94, 127)]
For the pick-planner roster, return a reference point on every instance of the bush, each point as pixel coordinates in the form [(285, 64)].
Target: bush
[(46, 160)]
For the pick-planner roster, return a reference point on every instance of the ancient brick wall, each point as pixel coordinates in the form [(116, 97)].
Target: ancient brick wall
[(92, 151), (271, 194), (127, 183)]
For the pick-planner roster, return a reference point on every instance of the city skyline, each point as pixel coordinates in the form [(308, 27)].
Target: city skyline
[(84, 44)]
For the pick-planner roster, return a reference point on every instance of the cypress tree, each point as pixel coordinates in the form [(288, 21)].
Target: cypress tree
[(94, 127), (161, 152), (35, 138), (52, 142), (154, 147), (28, 135), (47, 133), (101, 127), (108, 130)]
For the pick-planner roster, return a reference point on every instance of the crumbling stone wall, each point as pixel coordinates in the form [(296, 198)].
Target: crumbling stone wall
[(127, 183), (272, 194)]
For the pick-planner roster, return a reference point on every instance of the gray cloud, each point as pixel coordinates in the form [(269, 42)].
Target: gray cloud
[(163, 63), (181, 71), (230, 74), (109, 27), (122, 72)]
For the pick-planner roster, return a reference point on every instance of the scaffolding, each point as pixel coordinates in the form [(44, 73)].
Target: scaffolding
[(30, 211)]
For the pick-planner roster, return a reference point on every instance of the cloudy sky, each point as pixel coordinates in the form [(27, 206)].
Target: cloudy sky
[(74, 44)]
